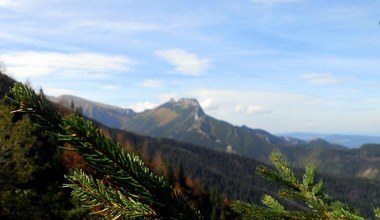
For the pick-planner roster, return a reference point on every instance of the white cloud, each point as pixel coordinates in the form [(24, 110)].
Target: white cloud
[(284, 111), (116, 26), (184, 62), (255, 109), (141, 106), (9, 4), (250, 109), (240, 100), (35, 42), (321, 79), (24, 64), (239, 108), (51, 91), (151, 84), (208, 104), (272, 111)]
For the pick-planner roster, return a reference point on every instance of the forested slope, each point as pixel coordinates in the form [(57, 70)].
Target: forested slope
[(233, 175)]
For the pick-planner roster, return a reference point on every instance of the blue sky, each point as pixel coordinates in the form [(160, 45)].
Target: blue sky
[(278, 65)]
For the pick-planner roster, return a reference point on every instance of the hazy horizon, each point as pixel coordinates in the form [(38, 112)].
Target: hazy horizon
[(278, 65)]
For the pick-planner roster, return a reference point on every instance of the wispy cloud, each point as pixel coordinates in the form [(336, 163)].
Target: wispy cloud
[(184, 62), (54, 91), (31, 41), (141, 106), (239, 108), (321, 79), (282, 111), (256, 109), (24, 64), (260, 109), (127, 26), (209, 104), (151, 84), (251, 109), (11, 4)]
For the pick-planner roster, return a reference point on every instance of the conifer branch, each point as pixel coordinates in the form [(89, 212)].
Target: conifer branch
[(307, 192), (124, 171), (105, 200), (128, 189), (377, 212), (267, 212)]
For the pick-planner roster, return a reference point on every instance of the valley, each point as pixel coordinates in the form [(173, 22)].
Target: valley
[(185, 121)]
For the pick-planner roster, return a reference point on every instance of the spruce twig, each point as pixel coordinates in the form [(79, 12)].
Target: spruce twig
[(306, 192), (105, 200), (125, 172), (128, 189), (377, 212)]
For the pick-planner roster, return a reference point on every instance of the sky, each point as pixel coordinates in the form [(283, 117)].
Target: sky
[(277, 65)]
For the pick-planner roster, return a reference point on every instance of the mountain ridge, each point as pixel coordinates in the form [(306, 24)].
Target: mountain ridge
[(184, 120), (220, 162), (113, 115), (348, 140)]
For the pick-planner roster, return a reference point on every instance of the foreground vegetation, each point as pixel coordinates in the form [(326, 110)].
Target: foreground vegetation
[(120, 185), (31, 175), (33, 169)]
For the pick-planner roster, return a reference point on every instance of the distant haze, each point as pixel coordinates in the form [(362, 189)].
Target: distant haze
[(351, 141)]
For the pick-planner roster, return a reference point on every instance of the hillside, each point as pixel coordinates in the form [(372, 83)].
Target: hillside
[(184, 120), (234, 175), (31, 169), (114, 116)]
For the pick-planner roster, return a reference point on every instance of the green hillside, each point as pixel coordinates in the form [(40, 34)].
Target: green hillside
[(185, 121), (231, 174), (235, 175), (31, 168)]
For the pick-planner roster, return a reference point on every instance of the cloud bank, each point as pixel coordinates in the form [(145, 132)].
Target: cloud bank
[(25, 64), (184, 62)]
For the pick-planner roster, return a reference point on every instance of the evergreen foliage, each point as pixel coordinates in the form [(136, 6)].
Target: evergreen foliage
[(125, 173), (123, 187), (313, 202), (30, 173), (234, 176), (377, 212), (17, 164), (16, 152)]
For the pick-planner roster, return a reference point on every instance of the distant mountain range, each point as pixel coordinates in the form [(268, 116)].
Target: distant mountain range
[(350, 141), (235, 175), (109, 115), (232, 173), (184, 120), (193, 119)]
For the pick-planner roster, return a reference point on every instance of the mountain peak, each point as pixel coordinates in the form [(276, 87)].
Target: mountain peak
[(188, 102), (185, 103), (188, 108)]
